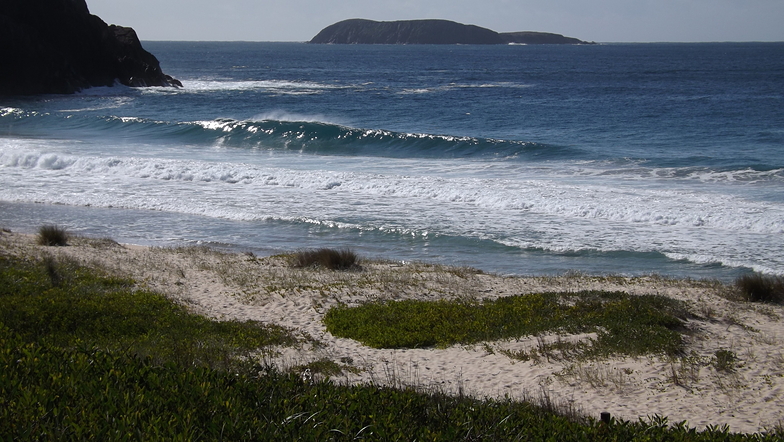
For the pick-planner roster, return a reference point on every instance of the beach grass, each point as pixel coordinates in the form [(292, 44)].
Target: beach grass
[(759, 287), (52, 235), (332, 259)]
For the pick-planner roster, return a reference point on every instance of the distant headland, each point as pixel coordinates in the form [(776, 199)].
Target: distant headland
[(443, 32)]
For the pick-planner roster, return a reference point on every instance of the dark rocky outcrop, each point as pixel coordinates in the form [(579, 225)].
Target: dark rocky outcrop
[(361, 31), (57, 46)]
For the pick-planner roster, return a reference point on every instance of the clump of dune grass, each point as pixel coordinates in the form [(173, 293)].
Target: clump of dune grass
[(332, 259), (758, 287), (52, 235), (725, 360)]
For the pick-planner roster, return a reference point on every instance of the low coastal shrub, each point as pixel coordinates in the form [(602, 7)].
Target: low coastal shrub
[(624, 324), (758, 287), (332, 259), (52, 235), (64, 304), (84, 393)]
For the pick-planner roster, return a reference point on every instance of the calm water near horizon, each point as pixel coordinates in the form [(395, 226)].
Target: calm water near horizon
[(607, 159)]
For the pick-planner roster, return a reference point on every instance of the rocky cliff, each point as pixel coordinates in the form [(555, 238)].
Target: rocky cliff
[(360, 31), (57, 46)]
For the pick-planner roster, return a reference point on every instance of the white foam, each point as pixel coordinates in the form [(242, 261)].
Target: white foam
[(454, 86), (701, 174), (282, 115), (5, 111), (275, 86), (513, 205)]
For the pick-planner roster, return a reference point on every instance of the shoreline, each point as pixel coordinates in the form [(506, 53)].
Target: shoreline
[(170, 229), (241, 286)]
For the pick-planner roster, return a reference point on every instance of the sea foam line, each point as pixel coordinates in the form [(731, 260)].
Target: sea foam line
[(672, 208)]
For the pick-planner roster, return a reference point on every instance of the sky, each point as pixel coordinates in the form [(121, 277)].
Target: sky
[(590, 20)]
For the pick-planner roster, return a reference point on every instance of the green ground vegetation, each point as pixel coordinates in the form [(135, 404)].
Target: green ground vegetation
[(65, 304), (623, 324), (86, 356)]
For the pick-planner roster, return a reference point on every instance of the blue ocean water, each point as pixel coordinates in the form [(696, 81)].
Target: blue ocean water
[(617, 158)]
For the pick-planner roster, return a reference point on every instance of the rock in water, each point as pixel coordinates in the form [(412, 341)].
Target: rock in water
[(57, 46)]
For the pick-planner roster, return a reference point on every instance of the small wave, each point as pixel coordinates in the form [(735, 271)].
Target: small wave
[(706, 259), (281, 115), (745, 175), (282, 87), (457, 86), (634, 170)]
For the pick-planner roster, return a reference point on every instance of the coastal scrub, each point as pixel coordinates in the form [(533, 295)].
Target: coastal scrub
[(624, 324)]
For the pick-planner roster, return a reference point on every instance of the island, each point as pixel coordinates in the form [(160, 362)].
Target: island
[(443, 32), (58, 47)]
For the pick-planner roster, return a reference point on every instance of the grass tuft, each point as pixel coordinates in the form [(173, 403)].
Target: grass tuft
[(52, 235), (758, 287), (332, 259), (725, 361)]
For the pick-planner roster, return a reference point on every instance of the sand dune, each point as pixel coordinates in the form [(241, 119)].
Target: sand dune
[(239, 286)]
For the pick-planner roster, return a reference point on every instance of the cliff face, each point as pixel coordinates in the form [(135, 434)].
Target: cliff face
[(360, 31), (57, 46)]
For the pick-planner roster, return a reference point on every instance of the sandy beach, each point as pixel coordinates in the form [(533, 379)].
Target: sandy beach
[(228, 286)]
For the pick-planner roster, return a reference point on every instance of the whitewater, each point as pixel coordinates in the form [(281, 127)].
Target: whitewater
[(610, 159)]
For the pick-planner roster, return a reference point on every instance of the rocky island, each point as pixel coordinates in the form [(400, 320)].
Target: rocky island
[(57, 46), (361, 31)]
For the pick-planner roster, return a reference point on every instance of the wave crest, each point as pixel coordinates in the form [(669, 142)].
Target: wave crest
[(299, 133)]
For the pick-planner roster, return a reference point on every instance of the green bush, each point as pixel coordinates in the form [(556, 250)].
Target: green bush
[(332, 259), (625, 324), (757, 287), (51, 235)]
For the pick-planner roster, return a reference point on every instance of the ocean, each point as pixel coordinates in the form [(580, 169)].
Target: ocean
[(626, 159)]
